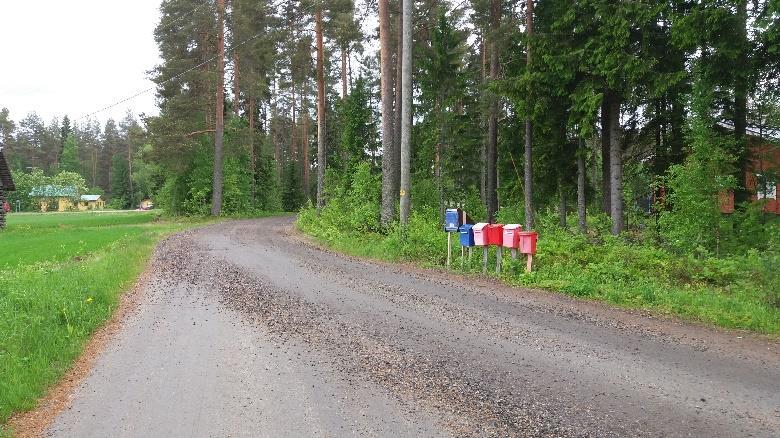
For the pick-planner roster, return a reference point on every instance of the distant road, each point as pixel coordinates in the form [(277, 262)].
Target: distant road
[(245, 330)]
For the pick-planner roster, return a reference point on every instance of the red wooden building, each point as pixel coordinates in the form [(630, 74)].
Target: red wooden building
[(763, 170)]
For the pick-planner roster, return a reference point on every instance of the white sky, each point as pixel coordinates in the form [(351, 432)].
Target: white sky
[(77, 56)]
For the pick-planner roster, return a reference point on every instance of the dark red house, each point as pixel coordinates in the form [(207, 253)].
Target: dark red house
[(762, 175)]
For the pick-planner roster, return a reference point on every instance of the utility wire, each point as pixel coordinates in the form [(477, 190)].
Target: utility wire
[(176, 20), (228, 50)]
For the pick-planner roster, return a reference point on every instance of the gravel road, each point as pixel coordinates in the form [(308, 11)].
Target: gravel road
[(245, 329)]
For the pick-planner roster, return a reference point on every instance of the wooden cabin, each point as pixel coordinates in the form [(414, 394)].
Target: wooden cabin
[(6, 185), (91, 202)]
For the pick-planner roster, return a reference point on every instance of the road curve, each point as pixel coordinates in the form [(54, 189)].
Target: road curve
[(246, 330)]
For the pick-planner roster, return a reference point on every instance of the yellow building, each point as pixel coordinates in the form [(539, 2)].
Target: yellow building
[(61, 198), (91, 202), (52, 197)]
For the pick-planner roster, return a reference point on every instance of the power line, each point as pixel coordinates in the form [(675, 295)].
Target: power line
[(169, 79), (176, 20), (228, 50)]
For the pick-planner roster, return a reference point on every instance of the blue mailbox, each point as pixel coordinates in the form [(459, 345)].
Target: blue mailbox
[(453, 219), (466, 235)]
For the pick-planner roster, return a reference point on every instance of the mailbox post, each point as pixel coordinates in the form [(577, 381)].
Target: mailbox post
[(480, 239), (528, 246)]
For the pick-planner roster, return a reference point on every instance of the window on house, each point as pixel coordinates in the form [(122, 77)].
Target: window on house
[(766, 186)]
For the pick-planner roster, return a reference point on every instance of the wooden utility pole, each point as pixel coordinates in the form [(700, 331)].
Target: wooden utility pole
[(216, 195), (528, 173), (406, 111), (321, 134)]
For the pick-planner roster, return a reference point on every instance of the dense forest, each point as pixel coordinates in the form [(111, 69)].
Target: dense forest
[(638, 110)]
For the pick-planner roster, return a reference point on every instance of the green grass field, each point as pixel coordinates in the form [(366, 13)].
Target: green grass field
[(61, 275)]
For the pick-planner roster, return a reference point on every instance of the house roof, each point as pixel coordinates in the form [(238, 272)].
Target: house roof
[(766, 132), (90, 198), (6, 182), (51, 191)]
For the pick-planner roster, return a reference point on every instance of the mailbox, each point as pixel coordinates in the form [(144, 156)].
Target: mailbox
[(528, 242), (452, 220), (494, 234), (480, 234), (466, 235), (511, 236)]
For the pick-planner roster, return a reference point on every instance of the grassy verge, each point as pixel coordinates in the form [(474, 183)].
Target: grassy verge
[(740, 291), (61, 276)]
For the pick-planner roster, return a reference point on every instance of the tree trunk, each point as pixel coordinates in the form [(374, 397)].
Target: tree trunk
[(216, 195), (397, 111), (528, 174), (562, 203), (293, 125), (616, 166), (130, 170), (581, 201), (252, 104), (321, 134), (606, 193), (305, 150), (492, 143), (483, 149), (344, 72), (437, 164), (274, 133), (236, 84), (386, 83), (406, 111), (741, 82)]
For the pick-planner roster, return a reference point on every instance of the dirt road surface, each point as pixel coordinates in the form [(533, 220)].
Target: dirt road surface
[(246, 330)]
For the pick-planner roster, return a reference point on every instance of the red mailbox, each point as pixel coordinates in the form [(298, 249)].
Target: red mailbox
[(480, 234), (528, 241), (511, 236), (494, 234)]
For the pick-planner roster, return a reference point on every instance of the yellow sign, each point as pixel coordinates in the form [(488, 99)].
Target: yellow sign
[(403, 192)]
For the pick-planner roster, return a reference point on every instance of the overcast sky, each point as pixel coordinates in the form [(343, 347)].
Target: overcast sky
[(75, 57)]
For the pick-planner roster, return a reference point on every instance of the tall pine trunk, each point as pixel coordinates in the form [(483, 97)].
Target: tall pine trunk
[(437, 163), (397, 111), (484, 122), (528, 174), (386, 84), (406, 112), (606, 192), (216, 195), (616, 165), (741, 82), (305, 149), (321, 134), (236, 84), (581, 201), (344, 89), (274, 133), (492, 143), (252, 105)]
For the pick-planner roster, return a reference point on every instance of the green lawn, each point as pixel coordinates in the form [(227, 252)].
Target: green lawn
[(61, 275)]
